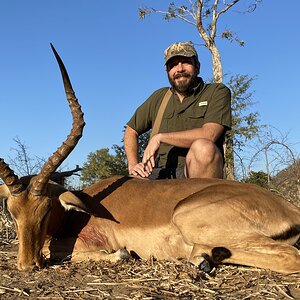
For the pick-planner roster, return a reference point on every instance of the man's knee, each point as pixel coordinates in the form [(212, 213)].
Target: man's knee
[(204, 159), (204, 151)]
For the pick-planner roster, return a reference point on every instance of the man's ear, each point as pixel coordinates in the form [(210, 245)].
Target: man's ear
[(71, 202)]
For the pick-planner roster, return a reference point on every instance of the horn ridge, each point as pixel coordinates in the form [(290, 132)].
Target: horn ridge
[(11, 180), (72, 139)]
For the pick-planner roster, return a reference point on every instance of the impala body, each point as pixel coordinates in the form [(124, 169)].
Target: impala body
[(206, 221)]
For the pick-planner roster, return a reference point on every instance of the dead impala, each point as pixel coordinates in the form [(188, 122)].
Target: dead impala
[(205, 221)]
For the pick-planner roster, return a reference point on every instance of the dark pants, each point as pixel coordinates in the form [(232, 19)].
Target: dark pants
[(167, 173)]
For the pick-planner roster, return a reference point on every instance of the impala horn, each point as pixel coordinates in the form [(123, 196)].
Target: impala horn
[(72, 139), (10, 179)]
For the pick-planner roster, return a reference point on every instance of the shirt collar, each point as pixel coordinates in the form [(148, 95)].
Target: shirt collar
[(199, 86)]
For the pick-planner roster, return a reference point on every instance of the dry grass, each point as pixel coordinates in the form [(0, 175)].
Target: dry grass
[(138, 279)]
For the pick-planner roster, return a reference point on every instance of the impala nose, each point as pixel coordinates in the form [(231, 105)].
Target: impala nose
[(27, 267)]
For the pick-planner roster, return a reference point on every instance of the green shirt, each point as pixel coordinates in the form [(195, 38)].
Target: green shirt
[(208, 103)]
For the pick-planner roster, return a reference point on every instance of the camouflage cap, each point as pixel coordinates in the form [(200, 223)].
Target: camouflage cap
[(180, 49)]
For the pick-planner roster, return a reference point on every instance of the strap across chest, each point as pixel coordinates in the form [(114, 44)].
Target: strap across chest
[(160, 113)]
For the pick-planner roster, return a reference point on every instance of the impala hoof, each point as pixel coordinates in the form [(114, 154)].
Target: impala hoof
[(205, 266), (124, 254)]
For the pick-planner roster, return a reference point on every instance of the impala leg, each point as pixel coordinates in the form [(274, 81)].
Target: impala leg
[(66, 248), (260, 252), (263, 252), (121, 254)]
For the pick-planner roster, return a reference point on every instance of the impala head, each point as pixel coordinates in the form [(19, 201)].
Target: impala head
[(30, 205)]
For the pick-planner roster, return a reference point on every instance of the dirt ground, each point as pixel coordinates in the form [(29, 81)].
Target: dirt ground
[(137, 279)]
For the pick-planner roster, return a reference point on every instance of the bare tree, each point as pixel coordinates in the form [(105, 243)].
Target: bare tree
[(204, 16), (287, 182), (23, 162), (27, 165), (274, 150)]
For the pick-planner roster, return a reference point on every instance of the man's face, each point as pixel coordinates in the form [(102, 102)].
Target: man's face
[(182, 73)]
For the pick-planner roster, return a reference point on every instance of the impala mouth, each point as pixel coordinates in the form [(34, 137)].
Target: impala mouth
[(30, 267), (34, 264)]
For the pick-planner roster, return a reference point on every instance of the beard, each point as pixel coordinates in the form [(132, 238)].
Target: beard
[(185, 86)]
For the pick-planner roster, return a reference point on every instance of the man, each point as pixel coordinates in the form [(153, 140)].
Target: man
[(191, 134)]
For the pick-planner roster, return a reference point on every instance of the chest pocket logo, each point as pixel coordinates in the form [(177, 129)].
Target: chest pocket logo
[(198, 110), (203, 103)]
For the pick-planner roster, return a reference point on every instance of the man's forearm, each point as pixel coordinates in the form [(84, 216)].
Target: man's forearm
[(184, 139), (131, 146)]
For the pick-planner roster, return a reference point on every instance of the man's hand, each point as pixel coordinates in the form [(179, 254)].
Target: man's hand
[(150, 153), (139, 170)]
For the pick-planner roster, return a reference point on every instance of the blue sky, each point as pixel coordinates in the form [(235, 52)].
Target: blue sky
[(115, 61)]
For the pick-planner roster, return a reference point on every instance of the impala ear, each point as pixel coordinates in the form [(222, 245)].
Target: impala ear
[(71, 202), (4, 191)]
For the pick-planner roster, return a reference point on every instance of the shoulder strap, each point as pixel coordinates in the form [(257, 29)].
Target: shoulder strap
[(160, 113)]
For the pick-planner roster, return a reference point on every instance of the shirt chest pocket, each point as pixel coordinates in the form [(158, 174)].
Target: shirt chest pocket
[(194, 116), (188, 119), (196, 112)]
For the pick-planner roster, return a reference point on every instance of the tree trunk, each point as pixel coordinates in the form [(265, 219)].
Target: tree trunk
[(217, 64), (229, 159), (228, 144)]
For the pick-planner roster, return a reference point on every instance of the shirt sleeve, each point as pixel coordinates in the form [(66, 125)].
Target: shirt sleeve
[(219, 107), (144, 116)]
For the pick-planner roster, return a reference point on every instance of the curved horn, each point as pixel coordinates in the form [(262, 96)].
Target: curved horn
[(72, 139), (10, 179)]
